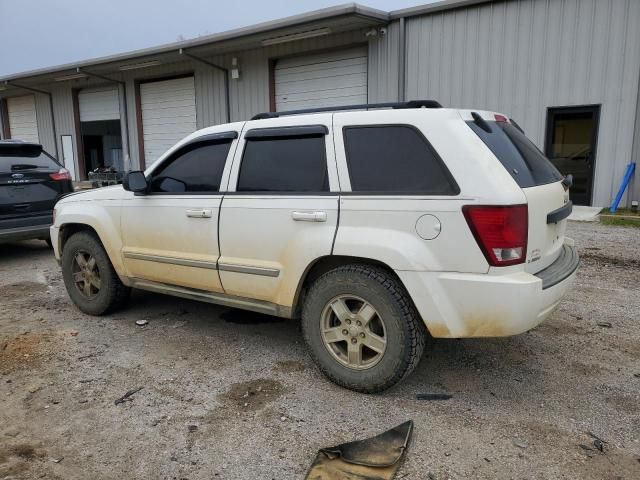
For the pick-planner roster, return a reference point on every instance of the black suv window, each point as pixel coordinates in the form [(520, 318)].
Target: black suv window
[(284, 164), (194, 168), (395, 159), (523, 160), (15, 157)]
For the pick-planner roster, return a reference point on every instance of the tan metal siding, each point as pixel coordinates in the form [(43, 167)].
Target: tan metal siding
[(520, 57)]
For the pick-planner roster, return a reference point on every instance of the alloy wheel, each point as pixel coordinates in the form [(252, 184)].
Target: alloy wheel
[(353, 332)]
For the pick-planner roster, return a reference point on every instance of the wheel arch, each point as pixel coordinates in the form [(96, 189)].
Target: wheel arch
[(324, 264), (67, 229)]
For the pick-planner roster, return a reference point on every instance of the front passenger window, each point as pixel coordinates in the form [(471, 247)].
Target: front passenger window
[(195, 168)]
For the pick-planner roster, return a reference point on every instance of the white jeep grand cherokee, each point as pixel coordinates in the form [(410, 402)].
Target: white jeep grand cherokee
[(373, 227)]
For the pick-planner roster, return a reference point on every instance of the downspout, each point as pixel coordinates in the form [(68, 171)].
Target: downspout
[(217, 67), (402, 61), (53, 120), (125, 107)]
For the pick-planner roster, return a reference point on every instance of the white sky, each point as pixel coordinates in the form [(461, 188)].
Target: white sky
[(43, 33)]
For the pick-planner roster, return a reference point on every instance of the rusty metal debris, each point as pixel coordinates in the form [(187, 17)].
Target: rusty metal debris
[(126, 396), (597, 441), (373, 458)]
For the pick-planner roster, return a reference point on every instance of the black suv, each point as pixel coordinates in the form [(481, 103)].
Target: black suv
[(31, 182)]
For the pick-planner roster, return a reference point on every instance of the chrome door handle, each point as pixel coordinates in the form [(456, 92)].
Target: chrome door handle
[(309, 216), (200, 213)]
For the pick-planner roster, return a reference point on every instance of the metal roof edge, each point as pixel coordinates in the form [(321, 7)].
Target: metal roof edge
[(263, 27), (433, 8)]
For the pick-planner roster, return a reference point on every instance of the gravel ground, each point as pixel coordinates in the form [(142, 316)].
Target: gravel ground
[(233, 395)]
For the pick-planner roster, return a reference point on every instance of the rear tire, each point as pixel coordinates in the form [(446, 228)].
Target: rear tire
[(89, 277), (372, 344)]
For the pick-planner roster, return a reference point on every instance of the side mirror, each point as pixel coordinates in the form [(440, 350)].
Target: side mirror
[(135, 181)]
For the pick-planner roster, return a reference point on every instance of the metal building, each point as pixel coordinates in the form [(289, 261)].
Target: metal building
[(568, 71)]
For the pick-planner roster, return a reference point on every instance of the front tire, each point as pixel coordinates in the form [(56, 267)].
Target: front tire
[(89, 277), (362, 329)]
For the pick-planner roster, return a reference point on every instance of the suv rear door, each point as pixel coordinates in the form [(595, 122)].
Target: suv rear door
[(281, 209), (31, 182), (547, 199)]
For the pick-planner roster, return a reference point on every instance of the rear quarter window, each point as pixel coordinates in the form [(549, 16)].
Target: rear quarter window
[(518, 155), (398, 159)]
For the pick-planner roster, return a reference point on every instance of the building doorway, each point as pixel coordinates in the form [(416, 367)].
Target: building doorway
[(572, 134), (102, 146)]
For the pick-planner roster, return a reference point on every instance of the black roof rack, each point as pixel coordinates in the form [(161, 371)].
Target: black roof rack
[(364, 106)]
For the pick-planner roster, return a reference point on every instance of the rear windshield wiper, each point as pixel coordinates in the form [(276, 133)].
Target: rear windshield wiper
[(23, 166)]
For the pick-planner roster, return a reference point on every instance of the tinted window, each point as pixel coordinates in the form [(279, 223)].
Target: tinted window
[(394, 159), (195, 168), (284, 164), (14, 161), (523, 160)]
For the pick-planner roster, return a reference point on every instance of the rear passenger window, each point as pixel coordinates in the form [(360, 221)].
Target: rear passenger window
[(395, 159), (196, 168), (284, 164)]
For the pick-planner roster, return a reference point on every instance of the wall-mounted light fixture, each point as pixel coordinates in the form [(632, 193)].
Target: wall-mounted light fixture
[(318, 32), (135, 66), (235, 70)]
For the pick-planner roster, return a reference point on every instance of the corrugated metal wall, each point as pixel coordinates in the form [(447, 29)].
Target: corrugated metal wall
[(63, 116), (45, 127), (384, 63), (522, 56)]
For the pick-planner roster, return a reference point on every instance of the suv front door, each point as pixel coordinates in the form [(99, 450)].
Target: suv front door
[(170, 235), (281, 211)]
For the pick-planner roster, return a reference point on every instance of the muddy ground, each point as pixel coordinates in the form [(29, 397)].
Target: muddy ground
[(233, 395)]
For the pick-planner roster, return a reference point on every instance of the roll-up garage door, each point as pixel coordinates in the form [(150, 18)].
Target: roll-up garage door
[(23, 123), (97, 105), (168, 114), (322, 80)]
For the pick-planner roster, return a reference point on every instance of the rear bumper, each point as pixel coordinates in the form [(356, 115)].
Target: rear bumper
[(461, 305), (25, 228)]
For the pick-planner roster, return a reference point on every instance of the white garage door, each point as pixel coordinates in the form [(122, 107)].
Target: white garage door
[(99, 104), (168, 114), (23, 123), (322, 80)]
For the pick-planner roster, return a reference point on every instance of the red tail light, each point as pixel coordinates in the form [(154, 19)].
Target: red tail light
[(62, 174), (501, 118), (501, 232)]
